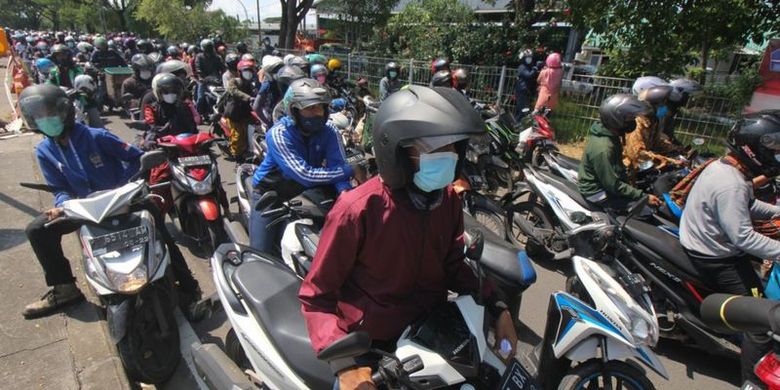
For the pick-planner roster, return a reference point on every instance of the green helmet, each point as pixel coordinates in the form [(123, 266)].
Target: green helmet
[(101, 43)]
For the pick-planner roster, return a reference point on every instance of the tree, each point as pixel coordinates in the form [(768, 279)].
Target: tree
[(663, 36), (180, 21), (358, 17), (427, 28), (293, 12)]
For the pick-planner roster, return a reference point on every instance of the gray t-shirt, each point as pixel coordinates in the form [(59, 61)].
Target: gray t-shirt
[(717, 220)]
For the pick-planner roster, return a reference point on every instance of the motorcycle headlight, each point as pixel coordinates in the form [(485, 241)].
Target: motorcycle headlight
[(201, 187), (640, 323), (128, 283)]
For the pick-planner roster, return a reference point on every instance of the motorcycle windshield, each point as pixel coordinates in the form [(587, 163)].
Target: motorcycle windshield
[(102, 204)]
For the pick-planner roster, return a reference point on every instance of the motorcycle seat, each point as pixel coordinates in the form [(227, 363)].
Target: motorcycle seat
[(502, 262), (271, 291), (664, 244), (248, 187), (566, 162), (569, 188)]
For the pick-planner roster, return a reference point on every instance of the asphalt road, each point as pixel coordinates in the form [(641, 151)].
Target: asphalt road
[(688, 368)]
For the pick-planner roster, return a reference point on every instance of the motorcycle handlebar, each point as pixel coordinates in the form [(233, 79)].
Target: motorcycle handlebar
[(734, 313)]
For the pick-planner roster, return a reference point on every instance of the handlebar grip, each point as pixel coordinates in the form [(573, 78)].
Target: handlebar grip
[(734, 313), (54, 221)]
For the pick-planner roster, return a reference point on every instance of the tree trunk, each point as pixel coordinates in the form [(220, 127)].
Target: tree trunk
[(705, 56), (283, 26)]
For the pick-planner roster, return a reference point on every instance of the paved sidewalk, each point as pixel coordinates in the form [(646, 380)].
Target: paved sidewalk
[(68, 350)]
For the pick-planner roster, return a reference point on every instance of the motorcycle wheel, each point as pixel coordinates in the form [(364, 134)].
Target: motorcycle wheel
[(491, 221), (527, 218), (613, 374), (148, 355), (216, 236), (235, 351)]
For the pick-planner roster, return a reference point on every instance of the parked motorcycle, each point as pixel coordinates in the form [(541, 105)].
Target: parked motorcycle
[(198, 196), (126, 263), (536, 146)]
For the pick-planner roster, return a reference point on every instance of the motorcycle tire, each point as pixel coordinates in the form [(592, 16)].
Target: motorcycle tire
[(217, 236), (491, 221), (235, 351), (526, 218), (590, 375), (147, 355)]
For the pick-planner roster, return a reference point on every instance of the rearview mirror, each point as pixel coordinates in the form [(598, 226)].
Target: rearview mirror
[(475, 243), (152, 159), (351, 345), (637, 207)]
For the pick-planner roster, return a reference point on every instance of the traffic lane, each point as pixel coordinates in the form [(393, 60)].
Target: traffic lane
[(688, 367)]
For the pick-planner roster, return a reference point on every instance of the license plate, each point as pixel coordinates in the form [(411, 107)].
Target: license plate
[(517, 378), (119, 240), (191, 161), (748, 385)]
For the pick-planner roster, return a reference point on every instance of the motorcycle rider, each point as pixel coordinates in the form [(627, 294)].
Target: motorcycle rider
[(66, 71), (716, 228), (135, 87), (602, 175), (335, 78), (648, 142), (272, 91), (390, 83), (238, 108), (525, 85), (208, 66), (231, 71), (166, 110), (304, 151), (686, 89), (442, 78), (75, 160), (103, 57), (408, 218), (131, 49), (43, 68), (241, 48)]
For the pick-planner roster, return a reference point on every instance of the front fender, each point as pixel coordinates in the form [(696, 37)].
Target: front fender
[(116, 317)]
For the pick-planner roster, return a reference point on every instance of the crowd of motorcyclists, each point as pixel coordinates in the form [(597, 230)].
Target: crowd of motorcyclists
[(392, 245)]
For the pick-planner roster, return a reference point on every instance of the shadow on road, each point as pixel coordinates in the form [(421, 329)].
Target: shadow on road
[(10, 238), (700, 362), (19, 205)]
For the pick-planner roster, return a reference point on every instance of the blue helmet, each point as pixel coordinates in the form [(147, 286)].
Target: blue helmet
[(44, 64)]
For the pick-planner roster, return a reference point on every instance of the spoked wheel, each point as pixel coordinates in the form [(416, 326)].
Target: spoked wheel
[(150, 349), (491, 221), (530, 220), (613, 375)]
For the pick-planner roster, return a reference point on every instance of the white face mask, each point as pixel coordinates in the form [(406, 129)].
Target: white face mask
[(170, 98), (145, 74), (247, 75)]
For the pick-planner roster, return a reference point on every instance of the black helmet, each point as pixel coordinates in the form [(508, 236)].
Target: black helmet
[(460, 78), (440, 64), (231, 61), (45, 101), (440, 116), (755, 140), (656, 96), (207, 45), (173, 51), (130, 43), (145, 46), (442, 78), (618, 112), (167, 84), (241, 47), (392, 66), (141, 62), (59, 48), (287, 74)]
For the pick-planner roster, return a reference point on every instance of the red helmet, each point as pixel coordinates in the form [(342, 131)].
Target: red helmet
[(245, 64)]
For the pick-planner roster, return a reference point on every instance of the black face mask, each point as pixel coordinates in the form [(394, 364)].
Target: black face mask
[(309, 126)]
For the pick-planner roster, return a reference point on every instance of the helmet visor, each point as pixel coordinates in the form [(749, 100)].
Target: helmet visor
[(38, 107), (771, 141), (429, 144)]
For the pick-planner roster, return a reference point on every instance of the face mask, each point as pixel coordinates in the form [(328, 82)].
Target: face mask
[(528, 60), (71, 44), (145, 74), (52, 126), (661, 112), (310, 126), (170, 98), (247, 75), (392, 74), (436, 170), (321, 79)]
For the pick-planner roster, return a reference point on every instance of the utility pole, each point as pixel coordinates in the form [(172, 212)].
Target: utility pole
[(259, 30)]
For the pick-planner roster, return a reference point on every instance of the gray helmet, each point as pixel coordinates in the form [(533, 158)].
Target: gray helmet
[(304, 93), (656, 95), (618, 112), (207, 45), (287, 74), (646, 82), (442, 78), (435, 116), (172, 66), (141, 62), (684, 89), (45, 100)]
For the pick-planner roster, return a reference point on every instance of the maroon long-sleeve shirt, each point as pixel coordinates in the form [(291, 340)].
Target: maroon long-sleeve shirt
[(381, 263)]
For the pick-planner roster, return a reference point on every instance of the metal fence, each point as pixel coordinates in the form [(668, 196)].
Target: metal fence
[(706, 117)]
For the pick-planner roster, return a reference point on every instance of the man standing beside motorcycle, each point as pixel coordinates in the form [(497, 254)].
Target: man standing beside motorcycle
[(75, 160), (208, 66), (238, 108), (716, 228), (602, 175), (392, 248), (304, 151), (525, 85)]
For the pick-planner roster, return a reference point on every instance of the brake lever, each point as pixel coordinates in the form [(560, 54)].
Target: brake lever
[(55, 221)]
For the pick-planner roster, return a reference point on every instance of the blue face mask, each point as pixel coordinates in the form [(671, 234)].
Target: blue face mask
[(52, 126), (436, 170), (393, 74), (660, 113)]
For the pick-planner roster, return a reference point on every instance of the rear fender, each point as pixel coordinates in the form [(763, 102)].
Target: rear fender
[(209, 208)]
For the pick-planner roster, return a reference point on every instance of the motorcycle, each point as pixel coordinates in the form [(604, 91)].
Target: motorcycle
[(213, 94), (126, 263), (196, 187), (730, 314), (536, 146), (495, 150)]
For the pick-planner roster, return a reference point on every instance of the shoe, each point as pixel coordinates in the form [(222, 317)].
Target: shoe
[(60, 296)]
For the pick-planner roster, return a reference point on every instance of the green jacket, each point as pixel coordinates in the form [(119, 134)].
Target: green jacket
[(54, 75), (602, 166)]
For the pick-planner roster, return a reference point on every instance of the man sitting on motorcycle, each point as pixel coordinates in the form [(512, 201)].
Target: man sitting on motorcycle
[(716, 228), (272, 91), (103, 57), (390, 84), (135, 87), (238, 108), (647, 141), (66, 70), (602, 175), (392, 248), (304, 151), (231, 71), (75, 160), (208, 68)]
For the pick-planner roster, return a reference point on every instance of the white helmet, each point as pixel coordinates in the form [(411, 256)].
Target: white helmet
[(288, 58), (84, 83), (647, 82), (270, 62)]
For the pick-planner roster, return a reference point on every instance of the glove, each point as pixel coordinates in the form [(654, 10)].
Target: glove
[(356, 378)]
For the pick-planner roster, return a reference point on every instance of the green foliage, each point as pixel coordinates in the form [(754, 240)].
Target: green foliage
[(356, 18), (175, 20), (657, 36), (739, 89)]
